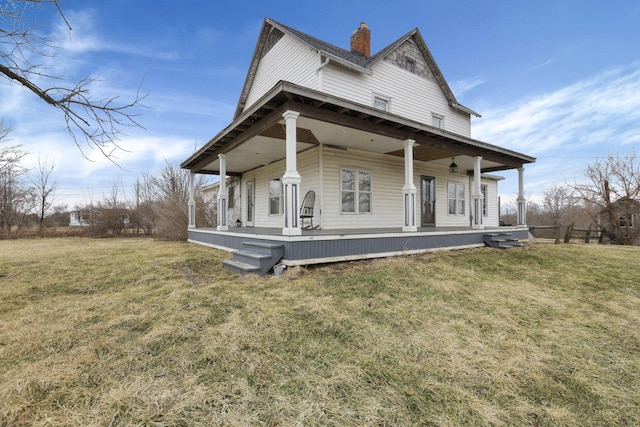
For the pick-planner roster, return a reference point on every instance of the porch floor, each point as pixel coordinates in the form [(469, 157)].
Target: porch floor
[(322, 246), (265, 231)]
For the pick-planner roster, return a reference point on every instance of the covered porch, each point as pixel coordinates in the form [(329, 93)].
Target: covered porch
[(295, 139)]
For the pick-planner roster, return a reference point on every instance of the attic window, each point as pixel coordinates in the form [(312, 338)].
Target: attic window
[(437, 121), (410, 65), (381, 103)]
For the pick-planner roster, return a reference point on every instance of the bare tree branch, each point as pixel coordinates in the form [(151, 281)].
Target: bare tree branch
[(91, 122)]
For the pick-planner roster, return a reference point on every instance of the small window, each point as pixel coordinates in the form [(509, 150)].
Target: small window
[(455, 196), (437, 121), (381, 103), (355, 191), (626, 221), (483, 189), (410, 65), (275, 197)]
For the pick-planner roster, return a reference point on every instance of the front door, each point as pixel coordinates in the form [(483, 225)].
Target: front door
[(250, 203), (428, 192)]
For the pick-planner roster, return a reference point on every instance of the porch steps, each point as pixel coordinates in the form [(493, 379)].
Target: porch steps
[(502, 240), (255, 258)]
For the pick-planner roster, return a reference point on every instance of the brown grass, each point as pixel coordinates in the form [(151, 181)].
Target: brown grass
[(137, 332)]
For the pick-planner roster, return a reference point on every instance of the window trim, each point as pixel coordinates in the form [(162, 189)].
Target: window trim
[(279, 196), (385, 99), (438, 117), (410, 64), (459, 202), (356, 192)]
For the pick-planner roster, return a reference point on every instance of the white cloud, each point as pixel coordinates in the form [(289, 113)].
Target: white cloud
[(463, 86), (83, 38), (569, 128)]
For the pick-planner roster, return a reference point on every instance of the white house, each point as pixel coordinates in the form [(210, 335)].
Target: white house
[(380, 139)]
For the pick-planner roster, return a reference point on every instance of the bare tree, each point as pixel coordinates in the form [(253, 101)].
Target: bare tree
[(91, 122), (611, 194), (44, 190), (111, 217), (15, 197), (558, 201), (171, 191), (144, 207)]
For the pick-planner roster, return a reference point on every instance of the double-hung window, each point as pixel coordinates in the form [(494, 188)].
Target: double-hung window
[(455, 195), (355, 191), (275, 197)]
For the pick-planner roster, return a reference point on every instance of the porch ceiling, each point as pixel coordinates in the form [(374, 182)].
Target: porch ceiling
[(256, 138)]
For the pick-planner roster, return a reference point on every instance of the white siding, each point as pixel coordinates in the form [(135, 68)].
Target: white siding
[(387, 182), (289, 60), (411, 95), (309, 172), (387, 179), (443, 177), (492, 219)]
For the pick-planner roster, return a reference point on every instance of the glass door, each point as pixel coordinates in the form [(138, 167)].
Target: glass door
[(250, 203), (428, 193)]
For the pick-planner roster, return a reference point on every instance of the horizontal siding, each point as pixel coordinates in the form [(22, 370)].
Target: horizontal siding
[(309, 172), (492, 219), (289, 60), (387, 182), (411, 96)]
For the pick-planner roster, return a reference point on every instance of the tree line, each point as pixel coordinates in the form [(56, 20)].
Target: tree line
[(157, 206)]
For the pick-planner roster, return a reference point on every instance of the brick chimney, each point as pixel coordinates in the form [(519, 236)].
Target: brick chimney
[(361, 41)]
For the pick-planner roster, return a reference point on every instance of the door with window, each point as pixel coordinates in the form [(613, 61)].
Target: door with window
[(428, 198), (250, 203)]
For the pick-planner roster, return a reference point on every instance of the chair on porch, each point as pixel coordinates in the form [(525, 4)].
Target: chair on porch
[(306, 210)]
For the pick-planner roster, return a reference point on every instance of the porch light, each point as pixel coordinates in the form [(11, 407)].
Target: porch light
[(453, 168)]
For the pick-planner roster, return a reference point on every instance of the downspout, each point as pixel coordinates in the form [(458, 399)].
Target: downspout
[(324, 64), (318, 72)]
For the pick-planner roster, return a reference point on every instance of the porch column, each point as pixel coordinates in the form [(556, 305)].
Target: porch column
[(192, 202), (522, 209), (409, 190), (477, 194), (223, 195), (291, 179)]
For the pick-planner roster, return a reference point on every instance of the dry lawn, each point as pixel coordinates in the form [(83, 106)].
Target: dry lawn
[(133, 332)]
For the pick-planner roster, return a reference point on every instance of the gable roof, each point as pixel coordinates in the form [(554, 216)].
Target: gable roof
[(346, 58)]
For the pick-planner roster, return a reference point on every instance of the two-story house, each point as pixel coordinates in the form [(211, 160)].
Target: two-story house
[(380, 140)]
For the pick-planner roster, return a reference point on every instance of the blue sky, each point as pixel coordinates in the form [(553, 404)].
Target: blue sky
[(558, 80)]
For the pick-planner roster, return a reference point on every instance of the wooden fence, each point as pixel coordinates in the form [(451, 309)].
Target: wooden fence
[(566, 232)]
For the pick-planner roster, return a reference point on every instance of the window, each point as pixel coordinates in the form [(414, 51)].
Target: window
[(437, 121), (410, 65), (483, 190), (381, 103), (456, 198), (355, 191), (626, 220), (275, 197)]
